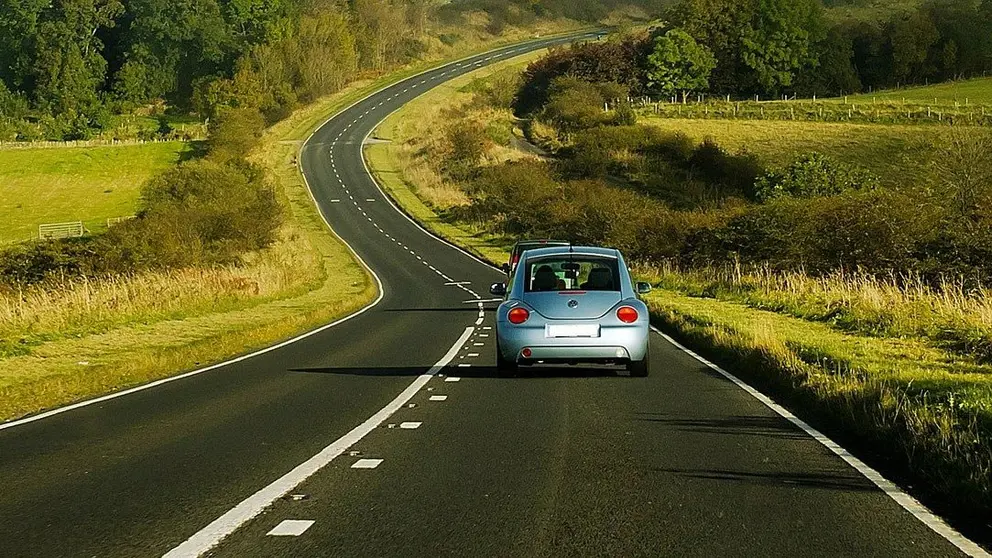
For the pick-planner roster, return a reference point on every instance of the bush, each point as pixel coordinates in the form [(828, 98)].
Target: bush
[(199, 213), (813, 175), (233, 133)]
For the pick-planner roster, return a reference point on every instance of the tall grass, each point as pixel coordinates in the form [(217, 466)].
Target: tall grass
[(947, 315), (76, 306)]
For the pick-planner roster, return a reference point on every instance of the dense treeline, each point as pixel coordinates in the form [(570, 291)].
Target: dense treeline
[(770, 47), (67, 67)]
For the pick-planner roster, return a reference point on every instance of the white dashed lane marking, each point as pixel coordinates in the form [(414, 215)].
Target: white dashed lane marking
[(452, 379), (410, 425), (291, 528), (439, 398), (366, 464)]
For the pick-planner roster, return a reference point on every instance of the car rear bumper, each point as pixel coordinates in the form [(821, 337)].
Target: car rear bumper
[(615, 344)]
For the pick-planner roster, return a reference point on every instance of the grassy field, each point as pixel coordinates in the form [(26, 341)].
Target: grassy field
[(896, 153), (88, 184), (976, 91)]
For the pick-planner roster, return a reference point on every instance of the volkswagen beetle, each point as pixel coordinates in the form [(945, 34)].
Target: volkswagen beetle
[(572, 305)]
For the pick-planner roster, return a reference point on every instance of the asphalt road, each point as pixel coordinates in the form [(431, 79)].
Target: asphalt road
[(567, 462)]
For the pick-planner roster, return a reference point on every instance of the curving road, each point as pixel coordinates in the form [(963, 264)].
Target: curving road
[(389, 435)]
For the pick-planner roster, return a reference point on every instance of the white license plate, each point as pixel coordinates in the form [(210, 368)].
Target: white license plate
[(576, 330)]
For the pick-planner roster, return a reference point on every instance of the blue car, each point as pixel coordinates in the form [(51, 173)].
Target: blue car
[(573, 305)]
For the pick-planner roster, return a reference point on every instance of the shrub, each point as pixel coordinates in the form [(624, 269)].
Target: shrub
[(234, 133), (813, 175)]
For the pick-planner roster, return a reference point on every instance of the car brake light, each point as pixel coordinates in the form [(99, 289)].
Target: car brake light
[(626, 314), (518, 315)]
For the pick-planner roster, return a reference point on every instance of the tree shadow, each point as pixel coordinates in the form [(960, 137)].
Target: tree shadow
[(774, 427), (826, 481)]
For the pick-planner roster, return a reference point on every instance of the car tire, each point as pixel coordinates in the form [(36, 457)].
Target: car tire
[(504, 368), (641, 368)]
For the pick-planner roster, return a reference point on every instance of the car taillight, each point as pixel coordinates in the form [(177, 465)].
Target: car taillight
[(518, 315), (626, 314)]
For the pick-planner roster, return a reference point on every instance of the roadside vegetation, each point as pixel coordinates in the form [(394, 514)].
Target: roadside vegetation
[(841, 266)]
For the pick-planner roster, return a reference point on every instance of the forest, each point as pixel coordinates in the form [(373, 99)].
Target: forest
[(70, 68)]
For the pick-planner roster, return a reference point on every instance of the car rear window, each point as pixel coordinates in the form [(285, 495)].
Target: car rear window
[(572, 273)]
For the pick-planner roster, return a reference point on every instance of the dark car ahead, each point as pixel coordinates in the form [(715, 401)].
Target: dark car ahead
[(523, 245)]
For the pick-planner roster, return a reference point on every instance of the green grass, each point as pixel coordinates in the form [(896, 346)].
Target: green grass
[(976, 91), (88, 184), (896, 153)]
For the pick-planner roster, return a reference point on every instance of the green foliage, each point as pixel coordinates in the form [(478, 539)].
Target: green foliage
[(779, 42), (813, 175), (468, 142), (678, 64), (574, 104), (234, 132), (619, 62)]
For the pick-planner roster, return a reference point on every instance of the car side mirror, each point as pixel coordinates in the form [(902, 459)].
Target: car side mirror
[(643, 288), (498, 289), (506, 268)]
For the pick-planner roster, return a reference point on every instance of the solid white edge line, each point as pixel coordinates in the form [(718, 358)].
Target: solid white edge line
[(908, 503), (216, 531), (156, 383)]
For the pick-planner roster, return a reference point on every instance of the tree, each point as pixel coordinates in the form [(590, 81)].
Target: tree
[(760, 45), (255, 21), (779, 40), (68, 67), (18, 27), (175, 43), (679, 64), (910, 39)]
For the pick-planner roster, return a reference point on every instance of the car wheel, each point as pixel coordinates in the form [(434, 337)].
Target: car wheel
[(504, 368), (641, 368)]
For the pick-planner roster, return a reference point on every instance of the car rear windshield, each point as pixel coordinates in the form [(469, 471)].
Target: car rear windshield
[(572, 273)]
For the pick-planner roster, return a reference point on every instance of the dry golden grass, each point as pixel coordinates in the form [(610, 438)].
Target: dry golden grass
[(83, 306), (947, 316)]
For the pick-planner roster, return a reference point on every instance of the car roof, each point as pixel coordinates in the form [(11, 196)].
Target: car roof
[(577, 250)]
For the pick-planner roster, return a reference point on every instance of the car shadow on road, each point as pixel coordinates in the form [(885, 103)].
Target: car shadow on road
[(827, 481), (524, 373)]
